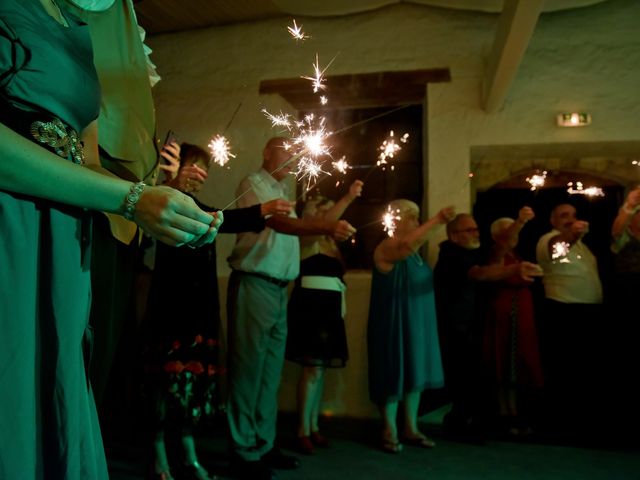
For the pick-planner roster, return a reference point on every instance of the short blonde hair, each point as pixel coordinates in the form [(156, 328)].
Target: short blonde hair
[(498, 226), (403, 206)]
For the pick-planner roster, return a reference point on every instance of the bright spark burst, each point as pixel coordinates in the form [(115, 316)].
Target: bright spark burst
[(341, 165), (311, 136), (318, 79), (220, 150), (296, 32), (636, 163), (537, 180), (323, 100), (310, 169), (389, 148), (580, 190), (279, 120), (390, 220), (560, 250)]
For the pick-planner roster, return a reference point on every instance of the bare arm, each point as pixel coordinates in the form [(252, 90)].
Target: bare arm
[(626, 213), (37, 172), (340, 230), (512, 235), (487, 273), (335, 212), (395, 249), (578, 230)]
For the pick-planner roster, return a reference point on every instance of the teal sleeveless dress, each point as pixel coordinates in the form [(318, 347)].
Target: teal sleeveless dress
[(48, 422), (402, 335)]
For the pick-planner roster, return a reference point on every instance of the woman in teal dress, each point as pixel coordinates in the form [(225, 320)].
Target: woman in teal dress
[(49, 101), (402, 335)]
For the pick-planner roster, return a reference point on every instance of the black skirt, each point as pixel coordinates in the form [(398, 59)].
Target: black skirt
[(316, 328)]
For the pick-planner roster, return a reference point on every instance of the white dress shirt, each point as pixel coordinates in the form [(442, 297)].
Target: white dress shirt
[(270, 253)]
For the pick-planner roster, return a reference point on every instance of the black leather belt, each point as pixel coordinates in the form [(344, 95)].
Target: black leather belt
[(275, 281)]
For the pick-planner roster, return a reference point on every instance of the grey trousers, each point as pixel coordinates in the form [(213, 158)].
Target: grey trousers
[(257, 313)]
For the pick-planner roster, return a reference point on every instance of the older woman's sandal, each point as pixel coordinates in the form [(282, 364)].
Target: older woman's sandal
[(422, 442), (391, 445)]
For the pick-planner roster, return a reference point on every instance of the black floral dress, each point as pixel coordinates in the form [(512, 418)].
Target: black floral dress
[(181, 352)]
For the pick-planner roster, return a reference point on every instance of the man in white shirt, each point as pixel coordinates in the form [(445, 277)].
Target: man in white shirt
[(573, 294), (263, 264)]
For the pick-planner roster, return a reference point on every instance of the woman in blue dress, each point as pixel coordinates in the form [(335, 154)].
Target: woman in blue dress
[(402, 336), (49, 101)]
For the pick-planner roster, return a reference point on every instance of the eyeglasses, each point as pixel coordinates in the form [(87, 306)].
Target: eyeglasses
[(468, 230)]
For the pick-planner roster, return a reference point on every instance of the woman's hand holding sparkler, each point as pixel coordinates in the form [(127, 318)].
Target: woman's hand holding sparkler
[(173, 218), (525, 214), (279, 206), (632, 202), (445, 215)]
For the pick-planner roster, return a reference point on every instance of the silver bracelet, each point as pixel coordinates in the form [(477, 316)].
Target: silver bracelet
[(627, 210), (131, 200)]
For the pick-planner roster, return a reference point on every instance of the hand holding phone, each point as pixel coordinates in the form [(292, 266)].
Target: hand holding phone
[(170, 151)]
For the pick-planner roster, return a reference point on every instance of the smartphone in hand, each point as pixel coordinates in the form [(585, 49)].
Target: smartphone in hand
[(171, 137)]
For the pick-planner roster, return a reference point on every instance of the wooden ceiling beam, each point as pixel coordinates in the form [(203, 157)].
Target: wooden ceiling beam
[(515, 28)]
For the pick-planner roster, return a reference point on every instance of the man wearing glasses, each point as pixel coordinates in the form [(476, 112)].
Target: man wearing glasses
[(460, 320)]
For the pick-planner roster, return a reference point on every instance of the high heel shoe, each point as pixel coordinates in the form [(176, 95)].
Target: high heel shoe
[(319, 440)]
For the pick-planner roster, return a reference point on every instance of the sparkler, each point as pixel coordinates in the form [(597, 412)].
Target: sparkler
[(389, 221), (317, 81), (341, 165), (296, 32), (278, 120), (309, 168), (580, 190), (323, 100), (220, 150), (537, 180), (389, 148), (560, 250)]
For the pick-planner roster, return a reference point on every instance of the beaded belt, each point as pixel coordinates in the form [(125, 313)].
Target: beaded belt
[(51, 132), (61, 138)]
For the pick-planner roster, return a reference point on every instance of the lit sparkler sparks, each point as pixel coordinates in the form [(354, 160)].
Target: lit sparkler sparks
[(311, 136), (296, 32), (341, 165), (389, 221), (537, 180), (278, 120), (220, 150), (560, 250), (318, 79), (389, 148), (309, 168), (580, 190), (323, 100)]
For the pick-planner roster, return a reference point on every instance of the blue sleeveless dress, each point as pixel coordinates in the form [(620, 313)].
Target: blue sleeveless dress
[(402, 335), (47, 415)]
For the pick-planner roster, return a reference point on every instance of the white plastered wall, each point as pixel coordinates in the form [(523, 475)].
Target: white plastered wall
[(582, 60)]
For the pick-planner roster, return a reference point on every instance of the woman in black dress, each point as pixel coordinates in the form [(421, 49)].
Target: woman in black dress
[(183, 319), (316, 338)]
